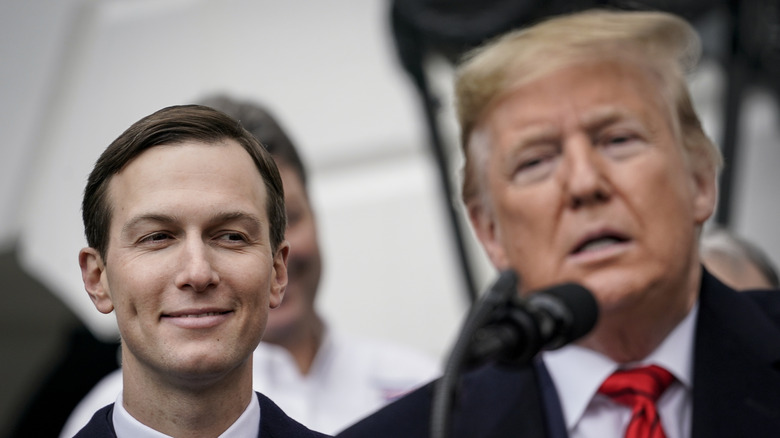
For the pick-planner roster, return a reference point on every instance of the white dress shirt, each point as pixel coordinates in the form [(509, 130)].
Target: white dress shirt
[(578, 373), (350, 378), (126, 426)]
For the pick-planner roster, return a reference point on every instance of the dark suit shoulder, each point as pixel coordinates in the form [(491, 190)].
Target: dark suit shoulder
[(492, 401), (749, 319), (406, 417), (768, 300), (101, 425), (274, 423), (736, 376)]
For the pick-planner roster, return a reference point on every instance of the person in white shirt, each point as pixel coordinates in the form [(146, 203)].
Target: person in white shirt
[(184, 217), (585, 162), (324, 379)]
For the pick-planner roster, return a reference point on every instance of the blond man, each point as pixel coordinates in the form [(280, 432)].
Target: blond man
[(586, 162)]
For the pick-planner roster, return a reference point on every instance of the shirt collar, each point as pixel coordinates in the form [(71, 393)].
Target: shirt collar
[(248, 424), (125, 426), (580, 382)]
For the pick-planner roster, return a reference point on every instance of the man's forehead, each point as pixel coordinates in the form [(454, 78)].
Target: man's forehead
[(596, 93), (224, 149), (148, 179)]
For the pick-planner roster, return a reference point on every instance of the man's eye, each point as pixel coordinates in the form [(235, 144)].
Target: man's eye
[(620, 139), (232, 237), (622, 145), (534, 167), (532, 162), (156, 237)]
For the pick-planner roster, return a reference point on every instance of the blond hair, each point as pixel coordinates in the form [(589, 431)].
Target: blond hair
[(663, 43)]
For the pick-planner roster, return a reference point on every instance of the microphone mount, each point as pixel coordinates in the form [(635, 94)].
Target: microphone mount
[(507, 328)]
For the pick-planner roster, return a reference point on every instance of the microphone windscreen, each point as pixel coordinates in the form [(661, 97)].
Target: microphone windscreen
[(580, 303)]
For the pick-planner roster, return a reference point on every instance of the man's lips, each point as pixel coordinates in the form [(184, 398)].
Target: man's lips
[(598, 240), (197, 318)]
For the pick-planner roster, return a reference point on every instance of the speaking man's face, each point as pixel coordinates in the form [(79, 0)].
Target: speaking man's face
[(583, 179)]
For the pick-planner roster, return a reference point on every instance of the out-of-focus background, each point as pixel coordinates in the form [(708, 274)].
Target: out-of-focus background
[(363, 87)]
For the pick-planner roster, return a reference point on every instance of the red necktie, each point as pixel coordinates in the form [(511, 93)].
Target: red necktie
[(639, 388)]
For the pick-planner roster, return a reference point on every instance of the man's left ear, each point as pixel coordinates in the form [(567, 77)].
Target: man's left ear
[(705, 180), (279, 280)]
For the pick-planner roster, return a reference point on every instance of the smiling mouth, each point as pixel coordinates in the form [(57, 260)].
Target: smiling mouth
[(202, 315), (598, 243), (197, 320)]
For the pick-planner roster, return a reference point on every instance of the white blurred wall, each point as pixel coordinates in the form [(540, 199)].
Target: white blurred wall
[(75, 73)]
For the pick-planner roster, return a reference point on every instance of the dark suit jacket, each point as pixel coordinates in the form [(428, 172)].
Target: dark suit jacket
[(274, 423), (736, 382)]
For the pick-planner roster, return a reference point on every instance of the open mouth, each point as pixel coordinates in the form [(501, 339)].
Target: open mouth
[(598, 242)]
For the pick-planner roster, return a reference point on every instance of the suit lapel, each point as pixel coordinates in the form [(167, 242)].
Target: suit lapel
[(736, 363), (500, 402), (274, 423)]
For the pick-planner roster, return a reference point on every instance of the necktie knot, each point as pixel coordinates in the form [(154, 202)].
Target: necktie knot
[(646, 382), (639, 388)]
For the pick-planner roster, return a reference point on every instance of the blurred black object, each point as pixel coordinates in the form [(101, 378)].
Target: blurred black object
[(50, 359), (85, 362), (746, 42)]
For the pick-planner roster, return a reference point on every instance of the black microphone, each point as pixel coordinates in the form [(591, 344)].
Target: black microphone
[(504, 327), (545, 320)]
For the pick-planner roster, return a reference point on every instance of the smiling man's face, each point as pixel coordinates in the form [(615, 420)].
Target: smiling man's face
[(585, 180), (189, 271)]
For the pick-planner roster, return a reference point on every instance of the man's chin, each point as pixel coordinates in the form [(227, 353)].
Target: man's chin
[(614, 292), (203, 371)]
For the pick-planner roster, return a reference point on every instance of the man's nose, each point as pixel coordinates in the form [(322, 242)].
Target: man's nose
[(583, 174), (196, 270)]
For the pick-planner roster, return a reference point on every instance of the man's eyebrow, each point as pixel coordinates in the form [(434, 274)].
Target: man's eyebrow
[(536, 133), (148, 217), (529, 136), (604, 116), (249, 219)]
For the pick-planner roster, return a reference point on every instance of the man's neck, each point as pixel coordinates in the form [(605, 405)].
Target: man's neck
[(631, 335), (203, 408)]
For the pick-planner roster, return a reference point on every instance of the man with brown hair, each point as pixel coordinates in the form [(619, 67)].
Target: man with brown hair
[(184, 216)]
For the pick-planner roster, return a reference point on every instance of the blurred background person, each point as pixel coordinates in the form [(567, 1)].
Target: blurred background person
[(737, 262), (322, 378)]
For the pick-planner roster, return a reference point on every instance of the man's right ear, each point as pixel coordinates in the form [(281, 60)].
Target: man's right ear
[(93, 271), (485, 227)]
